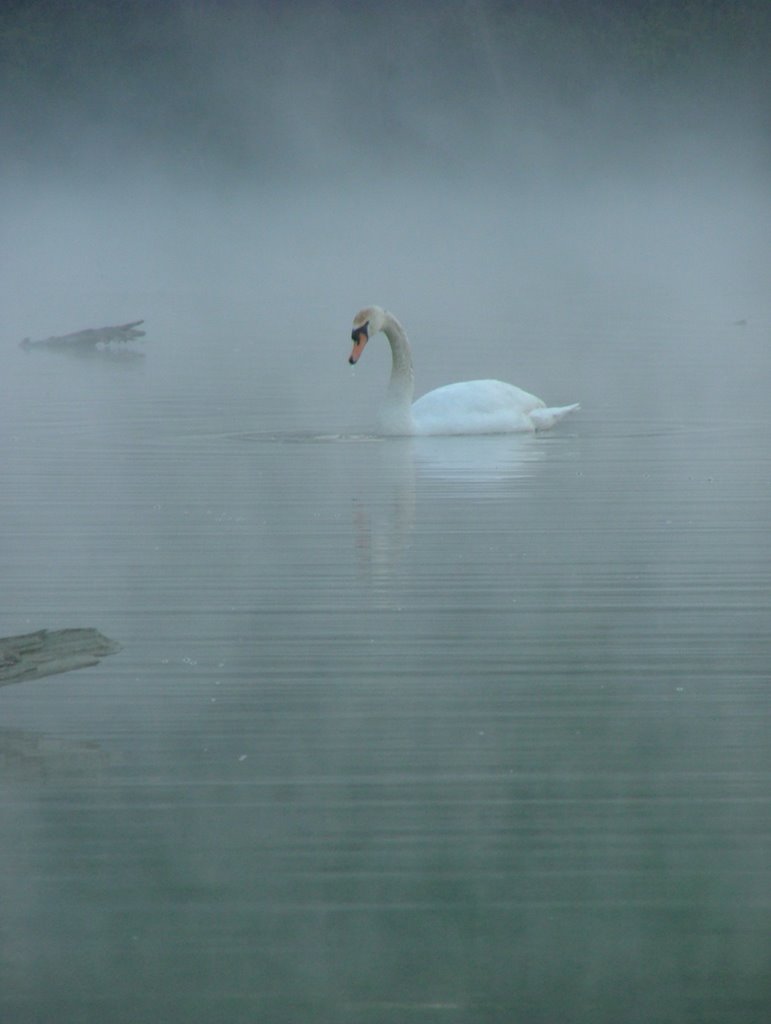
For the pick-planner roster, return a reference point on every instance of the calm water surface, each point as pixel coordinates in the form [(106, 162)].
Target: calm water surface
[(469, 729)]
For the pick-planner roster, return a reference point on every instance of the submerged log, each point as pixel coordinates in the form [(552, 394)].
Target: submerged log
[(45, 757), (44, 653), (89, 338)]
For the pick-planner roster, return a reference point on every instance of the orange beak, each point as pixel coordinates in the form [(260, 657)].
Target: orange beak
[(359, 341)]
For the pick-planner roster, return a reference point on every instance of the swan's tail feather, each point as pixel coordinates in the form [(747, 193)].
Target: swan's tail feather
[(545, 418)]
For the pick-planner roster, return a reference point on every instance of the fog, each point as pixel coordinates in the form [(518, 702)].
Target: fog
[(472, 727), (493, 174)]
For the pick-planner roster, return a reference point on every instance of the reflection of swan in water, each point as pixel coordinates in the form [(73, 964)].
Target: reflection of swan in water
[(384, 508), (480, 460), (471, 407), (403, 482)]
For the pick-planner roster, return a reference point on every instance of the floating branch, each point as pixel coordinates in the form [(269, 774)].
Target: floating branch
[(89, 338), (34, 655)]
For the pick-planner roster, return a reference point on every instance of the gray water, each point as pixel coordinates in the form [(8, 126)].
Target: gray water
[(450, 729)]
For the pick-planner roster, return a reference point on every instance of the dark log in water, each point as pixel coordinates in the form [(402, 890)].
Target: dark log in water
[(44, 653), (89, 338)]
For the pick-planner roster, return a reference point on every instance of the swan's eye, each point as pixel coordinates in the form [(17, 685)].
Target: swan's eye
[(357, 332)]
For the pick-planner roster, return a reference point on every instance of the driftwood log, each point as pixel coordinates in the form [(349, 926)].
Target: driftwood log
[(45, 653), (89, 338)]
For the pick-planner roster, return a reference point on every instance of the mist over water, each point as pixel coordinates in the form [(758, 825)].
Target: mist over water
[(467, 728)]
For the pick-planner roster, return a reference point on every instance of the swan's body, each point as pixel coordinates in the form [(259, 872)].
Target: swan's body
[(470, 407)]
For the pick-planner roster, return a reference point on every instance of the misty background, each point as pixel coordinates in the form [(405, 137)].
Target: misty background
[(482, 169), (468, 728)]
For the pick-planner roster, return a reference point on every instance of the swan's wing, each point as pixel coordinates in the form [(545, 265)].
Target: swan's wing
[(474, 406), (476, 396)]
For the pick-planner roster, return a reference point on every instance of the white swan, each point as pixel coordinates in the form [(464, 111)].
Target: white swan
[(471, 407)]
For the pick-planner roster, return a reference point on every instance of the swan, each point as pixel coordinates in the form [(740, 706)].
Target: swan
[(469, 407)]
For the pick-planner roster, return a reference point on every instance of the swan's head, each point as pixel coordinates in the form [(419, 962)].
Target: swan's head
[(366, 324)]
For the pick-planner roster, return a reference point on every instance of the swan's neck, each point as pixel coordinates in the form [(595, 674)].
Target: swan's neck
[(402, 383)]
